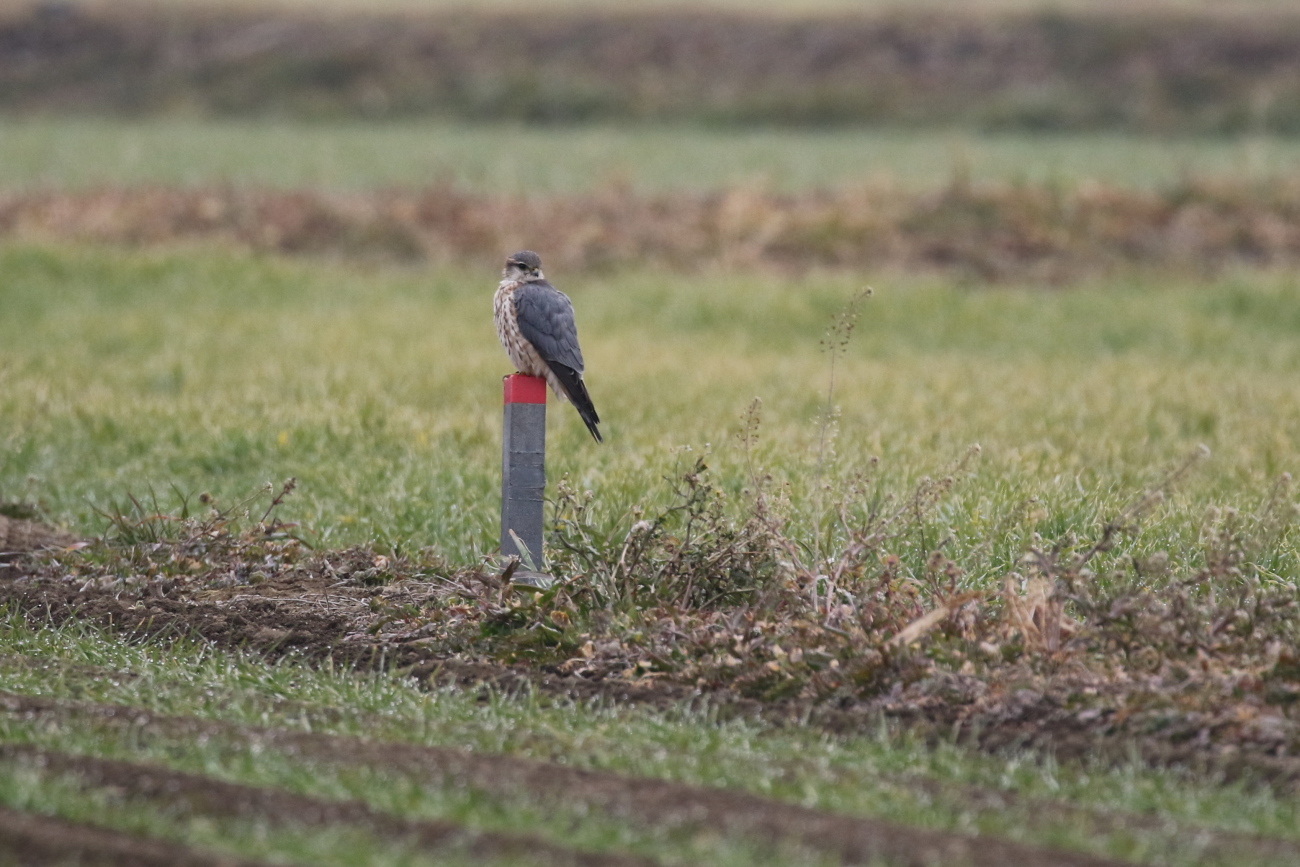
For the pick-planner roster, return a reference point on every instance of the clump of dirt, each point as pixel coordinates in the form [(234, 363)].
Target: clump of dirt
[(692, 603), (978, 232), (20, 536)]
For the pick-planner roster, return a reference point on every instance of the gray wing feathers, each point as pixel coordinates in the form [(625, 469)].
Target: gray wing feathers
[(546, 321)]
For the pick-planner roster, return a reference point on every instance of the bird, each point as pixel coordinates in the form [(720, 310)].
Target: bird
[(535, 324)]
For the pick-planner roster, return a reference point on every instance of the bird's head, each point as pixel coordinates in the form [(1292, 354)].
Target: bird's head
[(525, 266)]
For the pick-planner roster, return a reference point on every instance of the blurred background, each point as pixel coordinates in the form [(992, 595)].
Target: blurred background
[(872, 103)]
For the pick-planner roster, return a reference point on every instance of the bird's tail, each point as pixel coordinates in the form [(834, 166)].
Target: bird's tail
[(576, 391)]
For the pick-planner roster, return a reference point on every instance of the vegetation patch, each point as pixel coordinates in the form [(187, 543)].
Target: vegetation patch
[(513, 160), (817, 563), (984, 233), (36, 839), (1194, 668)]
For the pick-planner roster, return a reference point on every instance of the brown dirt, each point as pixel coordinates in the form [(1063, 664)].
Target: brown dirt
[(651, 802), (993, 232), (19, 536), (205, 796), (27, 840), (1154, 69), (1229, 725)]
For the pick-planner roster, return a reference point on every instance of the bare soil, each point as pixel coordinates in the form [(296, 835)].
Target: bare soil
[(194, 795), (18, 536), (333, 605), (29, 840)]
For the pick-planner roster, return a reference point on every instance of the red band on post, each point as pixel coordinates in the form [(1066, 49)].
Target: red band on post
[(521, 388)]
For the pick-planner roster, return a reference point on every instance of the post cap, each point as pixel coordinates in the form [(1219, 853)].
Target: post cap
[(521, 388)]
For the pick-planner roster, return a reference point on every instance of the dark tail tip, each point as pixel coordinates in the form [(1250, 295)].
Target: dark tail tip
[(576, 390)]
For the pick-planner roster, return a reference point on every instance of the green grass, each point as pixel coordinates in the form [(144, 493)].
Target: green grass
[(865, 775), (52, 152), (25, 788), (378, 389), (205, 370)]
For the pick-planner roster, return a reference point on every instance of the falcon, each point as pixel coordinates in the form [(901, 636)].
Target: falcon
[(535, 324)]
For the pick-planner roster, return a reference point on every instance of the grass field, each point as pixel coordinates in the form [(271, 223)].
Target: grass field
[(52, 152), (378, 388), (171, 373), (1001, 430)]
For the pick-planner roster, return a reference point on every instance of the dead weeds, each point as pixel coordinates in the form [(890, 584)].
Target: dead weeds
[(976, 232), (712, 597)]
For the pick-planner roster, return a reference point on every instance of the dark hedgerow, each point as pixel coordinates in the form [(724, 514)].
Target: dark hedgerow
[(1152, 71)]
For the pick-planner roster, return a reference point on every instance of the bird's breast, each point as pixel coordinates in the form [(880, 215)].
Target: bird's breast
[(522, 354)]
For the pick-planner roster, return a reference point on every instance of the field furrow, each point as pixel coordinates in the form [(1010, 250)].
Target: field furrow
[(202, 793), (28, 840), (196, 795), (850, 840)]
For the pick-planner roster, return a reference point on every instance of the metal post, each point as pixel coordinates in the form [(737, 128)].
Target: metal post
[(523, 466)]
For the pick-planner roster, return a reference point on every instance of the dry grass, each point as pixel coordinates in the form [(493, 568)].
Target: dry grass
[(985, 232)]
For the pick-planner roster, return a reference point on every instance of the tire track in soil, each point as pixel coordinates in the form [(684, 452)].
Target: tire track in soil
[(30, 840), (213, 797), (636, 800), (1214, 845), (1037, 813)]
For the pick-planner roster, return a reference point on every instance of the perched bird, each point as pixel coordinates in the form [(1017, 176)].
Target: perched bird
[(535, 323)]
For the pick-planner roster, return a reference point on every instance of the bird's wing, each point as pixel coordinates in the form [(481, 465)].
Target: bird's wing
[(546, 321)]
